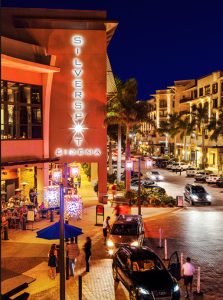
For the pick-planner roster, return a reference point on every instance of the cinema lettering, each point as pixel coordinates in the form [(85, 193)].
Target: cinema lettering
[(78, 127)]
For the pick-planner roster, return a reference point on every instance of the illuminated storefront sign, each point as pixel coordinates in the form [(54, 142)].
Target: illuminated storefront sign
[(78, 152), (78, 106), (78, 115)]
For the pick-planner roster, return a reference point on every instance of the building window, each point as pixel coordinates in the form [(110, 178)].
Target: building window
[(214, 88), (21, 111), (195, 94), (201, 92), (173, 103), (207, 89), (215, 103), (221, 87), (163, 103)]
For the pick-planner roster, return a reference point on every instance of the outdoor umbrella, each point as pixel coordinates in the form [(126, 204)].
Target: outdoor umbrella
[(53, 232)]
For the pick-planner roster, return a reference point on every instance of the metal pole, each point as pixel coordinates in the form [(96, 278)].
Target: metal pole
[(62, 271), (80, 287), (139, 186)]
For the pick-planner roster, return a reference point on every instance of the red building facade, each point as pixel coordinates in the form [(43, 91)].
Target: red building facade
[(54, 92)]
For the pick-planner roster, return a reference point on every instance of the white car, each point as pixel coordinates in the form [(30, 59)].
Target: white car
[(154, 175), (212, 178), (191, 172), (177, 166)]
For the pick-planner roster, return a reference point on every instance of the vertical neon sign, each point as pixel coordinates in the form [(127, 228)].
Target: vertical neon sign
[(78, 116)]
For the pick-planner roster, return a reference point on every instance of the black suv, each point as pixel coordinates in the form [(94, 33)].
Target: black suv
[(195, 193), (126, 230), (144, 275)]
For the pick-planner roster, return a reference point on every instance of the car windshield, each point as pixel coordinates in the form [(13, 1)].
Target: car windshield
[(198, 189), (124, 229), (147, 265), (155, 173)]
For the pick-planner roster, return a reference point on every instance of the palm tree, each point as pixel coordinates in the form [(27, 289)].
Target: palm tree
[(200, 116), (216, 126), (186, 127), (127, 112), (171, 126)]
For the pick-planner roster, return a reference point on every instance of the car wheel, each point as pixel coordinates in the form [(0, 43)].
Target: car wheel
[(115, 276), (133, 295)]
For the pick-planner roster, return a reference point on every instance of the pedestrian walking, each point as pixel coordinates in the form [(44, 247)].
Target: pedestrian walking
[(87, 250), (73, 253), (188, 272), (106, 228), (52, 261)]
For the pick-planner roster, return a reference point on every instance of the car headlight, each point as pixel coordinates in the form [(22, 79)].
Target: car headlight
[(135, 243), (110, 251), (194, 197), (208, 197), (110, 243), (176, 288), (153, 177), (143, 291)]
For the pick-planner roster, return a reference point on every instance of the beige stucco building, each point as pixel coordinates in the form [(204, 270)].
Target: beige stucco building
[(182, 96)]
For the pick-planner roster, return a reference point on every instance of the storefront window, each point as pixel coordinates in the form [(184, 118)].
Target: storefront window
[(21, 111)]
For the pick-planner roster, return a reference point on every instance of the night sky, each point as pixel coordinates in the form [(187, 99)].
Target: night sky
[(157, 41)]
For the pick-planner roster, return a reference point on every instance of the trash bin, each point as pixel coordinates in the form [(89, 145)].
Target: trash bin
[(105, 199)]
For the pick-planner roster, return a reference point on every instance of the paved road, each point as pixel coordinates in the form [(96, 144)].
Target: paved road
[(196, 233)]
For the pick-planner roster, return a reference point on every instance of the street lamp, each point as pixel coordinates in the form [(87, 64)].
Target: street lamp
[(129, 165), (57, 178)]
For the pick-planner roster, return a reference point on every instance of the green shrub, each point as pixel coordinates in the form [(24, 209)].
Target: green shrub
[(132, 197), (111, 178), (120, 186)]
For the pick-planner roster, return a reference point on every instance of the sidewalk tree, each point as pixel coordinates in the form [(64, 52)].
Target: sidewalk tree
[(171, 126), (200, 117), (126, 111), (216, 127), (186, 127)]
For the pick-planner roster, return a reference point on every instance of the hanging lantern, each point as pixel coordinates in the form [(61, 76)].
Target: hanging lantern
[(51, 196), (74, 171), (129, 165), (57, 175), (72, 206)]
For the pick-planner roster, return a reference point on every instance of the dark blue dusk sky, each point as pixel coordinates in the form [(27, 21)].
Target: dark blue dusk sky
[(157, 41)]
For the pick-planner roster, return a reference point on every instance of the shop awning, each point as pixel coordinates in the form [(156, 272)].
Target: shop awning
[(29, 161)]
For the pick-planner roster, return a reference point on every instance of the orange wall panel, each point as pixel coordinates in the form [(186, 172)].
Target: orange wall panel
[(18, 75), (24, 149)]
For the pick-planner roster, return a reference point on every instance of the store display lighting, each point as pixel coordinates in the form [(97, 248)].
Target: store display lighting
[(51, 196)]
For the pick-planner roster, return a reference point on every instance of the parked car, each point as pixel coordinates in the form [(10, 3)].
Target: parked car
[(177, 166), (126, 230), (191, 171), (154, 175), (195, 194), (219, 181), (134, 175), (201, 175), (182, 167), (144, 275), (143, 183), (169, 165), (211, 178)]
